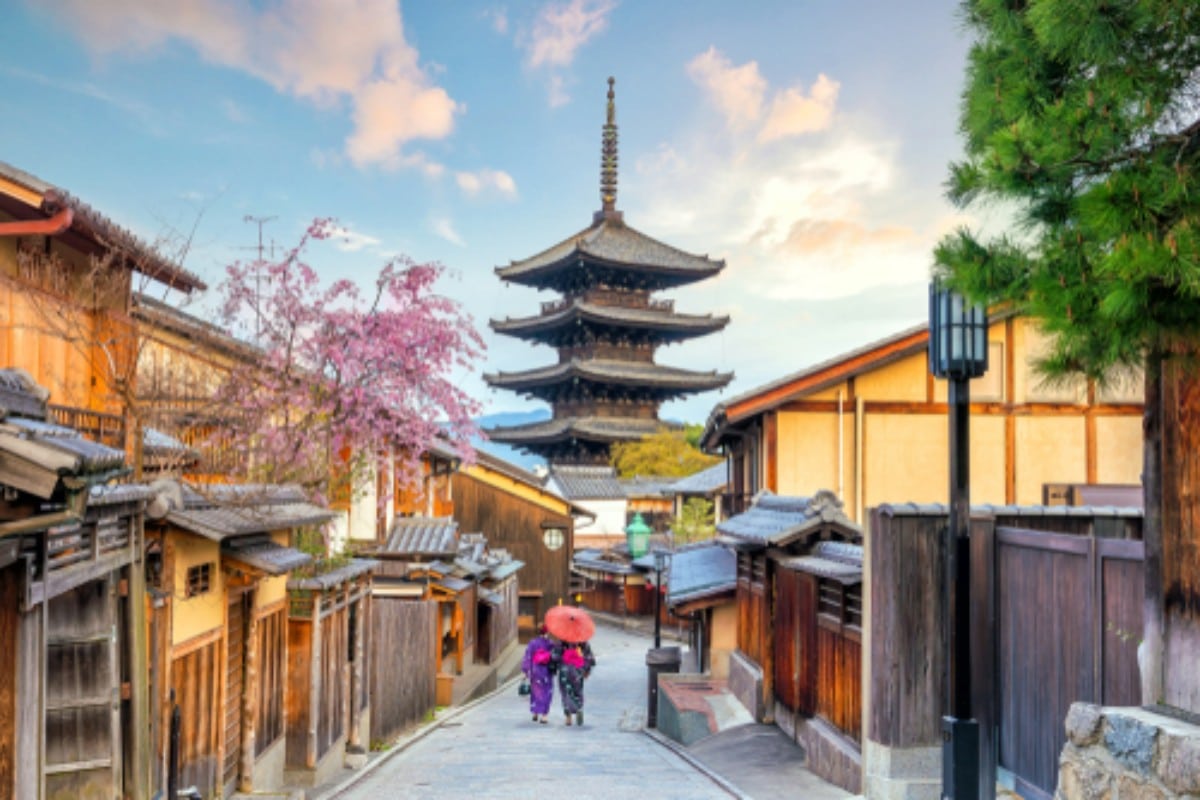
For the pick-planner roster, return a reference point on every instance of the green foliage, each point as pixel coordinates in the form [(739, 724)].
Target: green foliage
[(665, 453), (1081, 116), (695, 522)]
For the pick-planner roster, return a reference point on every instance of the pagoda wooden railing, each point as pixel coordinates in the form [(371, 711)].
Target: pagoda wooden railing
[(611, 298)]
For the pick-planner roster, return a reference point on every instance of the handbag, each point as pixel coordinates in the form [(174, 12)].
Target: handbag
[(523, 687)]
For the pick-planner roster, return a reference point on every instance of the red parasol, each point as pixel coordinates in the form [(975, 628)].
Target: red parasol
[(570, 624)]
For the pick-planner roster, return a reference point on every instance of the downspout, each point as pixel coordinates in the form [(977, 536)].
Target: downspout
[(841, 447), (39, 227), (858, 460)]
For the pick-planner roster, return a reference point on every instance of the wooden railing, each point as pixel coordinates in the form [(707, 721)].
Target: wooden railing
[(108, 429)]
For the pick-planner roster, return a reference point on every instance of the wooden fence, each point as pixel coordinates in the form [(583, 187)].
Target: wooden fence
[(403, 637), (1068, 617), (1060, 591)]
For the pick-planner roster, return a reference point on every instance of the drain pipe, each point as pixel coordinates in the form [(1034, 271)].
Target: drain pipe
[(40, 227)]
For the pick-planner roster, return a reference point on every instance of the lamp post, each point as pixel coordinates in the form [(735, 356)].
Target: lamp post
[(958, 351), (660, 561)]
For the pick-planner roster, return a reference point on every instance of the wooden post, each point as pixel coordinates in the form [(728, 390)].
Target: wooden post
[(139, 780), (314, 685), (983, 647)]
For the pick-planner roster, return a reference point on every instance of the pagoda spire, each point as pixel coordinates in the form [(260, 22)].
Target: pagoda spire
[(608, 160)]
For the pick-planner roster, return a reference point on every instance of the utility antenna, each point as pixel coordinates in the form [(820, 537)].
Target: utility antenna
[(258, 265)]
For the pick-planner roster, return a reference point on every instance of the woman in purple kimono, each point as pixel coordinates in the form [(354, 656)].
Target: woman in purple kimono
[(536, 665), (573, 663)]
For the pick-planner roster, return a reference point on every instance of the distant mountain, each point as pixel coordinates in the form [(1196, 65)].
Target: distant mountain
[(512, 455)]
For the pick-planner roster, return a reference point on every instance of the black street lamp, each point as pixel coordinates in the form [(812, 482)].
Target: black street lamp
[(660, 562), (958, 351)]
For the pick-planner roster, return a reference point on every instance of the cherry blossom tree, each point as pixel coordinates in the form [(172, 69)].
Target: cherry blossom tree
[(345, 376)]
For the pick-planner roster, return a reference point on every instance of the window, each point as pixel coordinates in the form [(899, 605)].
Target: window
[(840, 604), (199, 579)]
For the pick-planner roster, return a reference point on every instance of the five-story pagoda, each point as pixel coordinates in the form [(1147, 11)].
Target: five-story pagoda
[(606, 386)]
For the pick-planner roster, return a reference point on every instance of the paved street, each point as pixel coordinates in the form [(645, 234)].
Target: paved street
[(494, 750)]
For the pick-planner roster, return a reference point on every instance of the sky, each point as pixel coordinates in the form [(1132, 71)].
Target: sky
[(805, 142)]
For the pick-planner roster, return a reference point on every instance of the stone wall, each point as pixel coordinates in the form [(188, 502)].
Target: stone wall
[(1128, 754), (828, 752), (745, 681)]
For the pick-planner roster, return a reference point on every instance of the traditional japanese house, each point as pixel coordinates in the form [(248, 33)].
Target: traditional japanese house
[(74, 700), (327, 702), (220, 557), (596, 489), (651, 497), (610, 583), (67, 277), (703, 591), (606, 326), (870, 424), (798, 661), (708, 485), (518, 512)]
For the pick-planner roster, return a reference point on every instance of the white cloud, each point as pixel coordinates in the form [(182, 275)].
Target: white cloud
[(474, 183), (498, 19), (740, 93), (557, 33), (325, 53), (351, 241), (443, 227)]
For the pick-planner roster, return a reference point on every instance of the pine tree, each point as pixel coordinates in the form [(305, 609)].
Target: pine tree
[(1081, 118)]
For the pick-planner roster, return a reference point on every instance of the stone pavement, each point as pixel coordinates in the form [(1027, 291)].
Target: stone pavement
[(492, 749)]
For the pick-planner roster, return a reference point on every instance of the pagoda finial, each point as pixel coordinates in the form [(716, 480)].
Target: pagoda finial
[(608, 158)]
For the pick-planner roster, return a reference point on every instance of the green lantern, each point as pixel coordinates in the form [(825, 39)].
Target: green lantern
[(637, 536)]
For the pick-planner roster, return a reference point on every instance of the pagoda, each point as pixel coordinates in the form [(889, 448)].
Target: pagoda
[(606, 327)]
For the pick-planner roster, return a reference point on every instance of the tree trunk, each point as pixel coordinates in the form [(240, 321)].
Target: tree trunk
[(1179, 565)]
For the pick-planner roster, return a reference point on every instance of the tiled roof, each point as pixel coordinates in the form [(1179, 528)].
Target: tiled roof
[(706, 481), (221, 511), (599, 429), (611, 371), (422, 536), (180, 322), (671, 326), (504, 569), (647, 486), (701, 571), (602, 561), (941, 510), (777, 520), (612, 242), (21, 396), (582, 482), (334, 577), (840, 561), (39, 457), (104, 232), (263, 554)]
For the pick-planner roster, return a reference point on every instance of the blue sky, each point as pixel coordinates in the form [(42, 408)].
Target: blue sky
[(803, 141)]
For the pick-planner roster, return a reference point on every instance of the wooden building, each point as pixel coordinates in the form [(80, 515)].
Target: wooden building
[(598, 492), (517, 512), (871, 426), (220, 558), (798, 661), (74, 700), (609, 582), (327, 702), (702, 590), (709, 484), (607, 325)]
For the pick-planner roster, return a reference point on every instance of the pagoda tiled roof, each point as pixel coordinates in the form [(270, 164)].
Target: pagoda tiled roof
[(610, 241), (611, 371), (660, 320), (599, 429)]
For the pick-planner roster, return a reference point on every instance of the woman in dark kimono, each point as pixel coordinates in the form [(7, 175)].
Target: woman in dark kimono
[(574, 664), (537, 666)]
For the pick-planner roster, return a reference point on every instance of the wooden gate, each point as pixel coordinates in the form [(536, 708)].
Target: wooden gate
[(1068, 620), (83, 717)]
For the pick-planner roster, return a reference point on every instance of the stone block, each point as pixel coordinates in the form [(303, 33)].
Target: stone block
[(1083, 724), (1179, 763), (1083, 779), (1129, 788), (1131, 742)]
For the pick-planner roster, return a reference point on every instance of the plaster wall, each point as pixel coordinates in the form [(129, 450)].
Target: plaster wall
[(610, 520), (192, 616), (902, 381), (1049, 450), (724, 638), (1118, 450)]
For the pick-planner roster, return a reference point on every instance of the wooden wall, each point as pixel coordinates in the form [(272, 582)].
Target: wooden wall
[(271, 648), (196, 678), (9, 643), (516, 524), (402, 682)]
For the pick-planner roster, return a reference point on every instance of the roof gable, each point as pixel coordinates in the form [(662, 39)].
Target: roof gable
[(776, 521)]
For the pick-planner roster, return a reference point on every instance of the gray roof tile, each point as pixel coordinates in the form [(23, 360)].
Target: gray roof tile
[(602, 429), (612, 371), (706, 481), (582, 482), (701, 571), (263, 554), (776, 520), (334, 577), (422, 536)]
